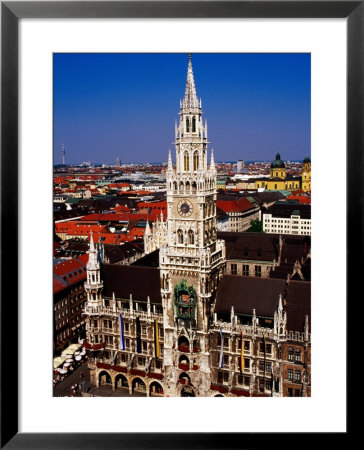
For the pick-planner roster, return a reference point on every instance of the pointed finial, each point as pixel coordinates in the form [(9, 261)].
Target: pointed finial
[(212, 162), (170, 166), (280, 306), (147, 229)]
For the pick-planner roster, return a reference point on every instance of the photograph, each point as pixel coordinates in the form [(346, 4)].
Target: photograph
[(181, 225)]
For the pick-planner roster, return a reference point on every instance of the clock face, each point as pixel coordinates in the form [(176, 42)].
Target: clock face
[(185, 208)]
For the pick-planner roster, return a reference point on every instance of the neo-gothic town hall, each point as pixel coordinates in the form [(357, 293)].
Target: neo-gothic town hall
[(182, 320)]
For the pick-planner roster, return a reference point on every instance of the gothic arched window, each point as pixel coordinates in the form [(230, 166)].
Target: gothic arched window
[(194, 186), (186, 162), (188, 186), (191, 237), (180, 236), (194, 124), (187, 125), (195, 161)]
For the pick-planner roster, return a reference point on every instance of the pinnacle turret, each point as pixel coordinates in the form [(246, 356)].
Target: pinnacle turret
[(93, 261), (190, 99)]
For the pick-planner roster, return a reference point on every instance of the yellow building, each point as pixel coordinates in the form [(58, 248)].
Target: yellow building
[(306, 175), (278, 178)]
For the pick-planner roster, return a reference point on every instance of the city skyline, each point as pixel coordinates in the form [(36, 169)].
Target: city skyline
[(109, 106)]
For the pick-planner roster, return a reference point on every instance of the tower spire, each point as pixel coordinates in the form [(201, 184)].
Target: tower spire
[(190, 100)]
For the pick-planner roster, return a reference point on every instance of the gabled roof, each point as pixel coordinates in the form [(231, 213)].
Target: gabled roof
[(124, 280), (250, 246), (248, 293)]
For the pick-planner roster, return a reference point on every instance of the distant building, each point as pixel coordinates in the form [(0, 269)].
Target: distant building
[(240, 213), (240, 166), (279, 180), (288, 219), (306, 175), (69, 300)]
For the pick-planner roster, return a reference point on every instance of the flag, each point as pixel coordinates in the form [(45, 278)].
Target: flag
[(138, 338), (121, 326), (242, 354), (156, 339), (221, 350)]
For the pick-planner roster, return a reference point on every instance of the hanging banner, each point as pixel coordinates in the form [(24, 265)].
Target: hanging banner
[(121, 326)]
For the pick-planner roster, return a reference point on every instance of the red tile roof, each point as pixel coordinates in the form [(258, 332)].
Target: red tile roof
[(69, 272), (239, 205)]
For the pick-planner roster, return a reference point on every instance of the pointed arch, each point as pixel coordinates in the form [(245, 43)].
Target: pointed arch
[(191, 237), (194, 124), (180, 236), (187, 125), (186, 159), (195, 160)]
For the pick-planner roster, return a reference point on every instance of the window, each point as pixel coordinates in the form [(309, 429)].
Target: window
[(180, 236), (246, 363), (290, 374), (191, 237), (186, 162), (144, 346), (297, 393), (240, 379), (126, 325), (261, 365), (158, 364), (140, 361), (234, 269), (297, 354), (297, 375), (269, 366), (144, 330), (187, 125), (290, 354), (269, 348), (246, 381), (246, 270), (226, 342), (226, 377), (194, 124), (258, 271), (247, 346), (226, 360), (195, 161)]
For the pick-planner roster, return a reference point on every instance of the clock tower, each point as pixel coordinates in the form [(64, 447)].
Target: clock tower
[(191, 263)]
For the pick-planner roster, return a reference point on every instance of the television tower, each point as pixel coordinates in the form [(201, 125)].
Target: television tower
[(63, 155)]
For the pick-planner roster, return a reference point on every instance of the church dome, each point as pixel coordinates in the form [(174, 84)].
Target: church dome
[(307, 160), (278, 163)]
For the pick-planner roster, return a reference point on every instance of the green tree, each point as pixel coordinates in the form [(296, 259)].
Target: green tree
[(256, 226)]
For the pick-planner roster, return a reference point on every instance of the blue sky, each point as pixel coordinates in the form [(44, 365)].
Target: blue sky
[(125, 105)]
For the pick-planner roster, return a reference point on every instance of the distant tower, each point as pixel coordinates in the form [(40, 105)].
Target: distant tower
[(306, 174), (117, 162), (240, 165), (63, 155)]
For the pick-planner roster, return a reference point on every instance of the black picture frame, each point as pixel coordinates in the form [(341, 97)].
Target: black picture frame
[(11, 12)]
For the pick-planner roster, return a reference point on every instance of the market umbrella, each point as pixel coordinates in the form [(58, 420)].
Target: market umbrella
[(69, 360), (66, 365), (78, 358), (62, 371)]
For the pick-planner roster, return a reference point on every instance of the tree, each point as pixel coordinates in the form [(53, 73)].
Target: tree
[(256, 226)]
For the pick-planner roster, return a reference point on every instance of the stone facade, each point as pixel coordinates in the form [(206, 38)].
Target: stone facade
[(174, 343)]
